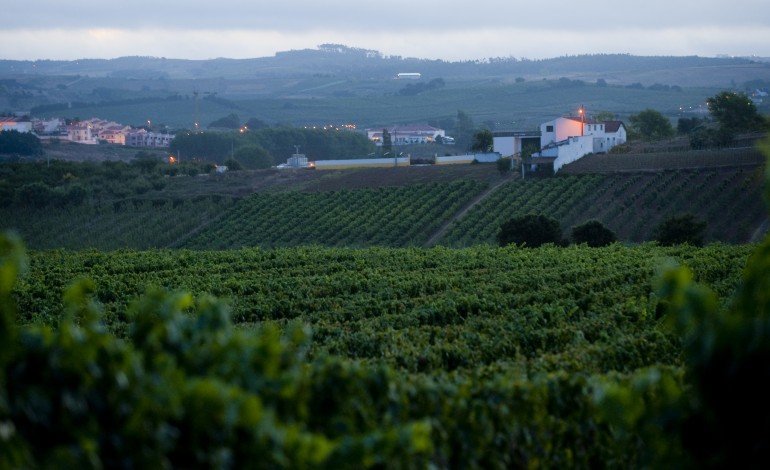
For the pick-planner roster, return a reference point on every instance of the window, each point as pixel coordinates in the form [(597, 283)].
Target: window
[(549, 128)]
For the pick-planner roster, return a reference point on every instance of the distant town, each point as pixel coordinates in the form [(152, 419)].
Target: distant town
[(92, 131)]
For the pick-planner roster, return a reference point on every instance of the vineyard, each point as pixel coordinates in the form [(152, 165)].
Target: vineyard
[(392, 209), (480, 357)]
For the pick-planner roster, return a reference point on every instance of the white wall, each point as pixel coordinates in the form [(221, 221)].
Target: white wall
[(22, 126), (506, 146), (577, 148)]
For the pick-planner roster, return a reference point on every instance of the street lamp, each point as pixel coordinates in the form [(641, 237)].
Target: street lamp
[(582, 119)]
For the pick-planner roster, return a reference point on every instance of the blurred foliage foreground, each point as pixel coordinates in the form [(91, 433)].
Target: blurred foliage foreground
[(186, 389)]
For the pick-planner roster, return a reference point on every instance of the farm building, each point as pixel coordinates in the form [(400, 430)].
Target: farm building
[(409, 134), (468, 158), (13, 124), (570, 138), (512, 143), (360, 163)]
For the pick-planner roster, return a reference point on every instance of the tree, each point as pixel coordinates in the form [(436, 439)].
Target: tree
[(233, 165), (387, 142), (463, 130), (20, 143), (604, 116), (256, 123), (253, 157), (483, 141), (231, 121), (735, 112), (688, 125), (651, 125), (593, 233), (680, 229), (531, 230), (504, 165), (145, 161)]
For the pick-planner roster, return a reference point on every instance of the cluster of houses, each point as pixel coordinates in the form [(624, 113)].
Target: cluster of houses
[(91, 131), (557, 142)]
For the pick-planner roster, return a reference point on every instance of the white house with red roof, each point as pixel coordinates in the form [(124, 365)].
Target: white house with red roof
[(408, 134), (570, 138)]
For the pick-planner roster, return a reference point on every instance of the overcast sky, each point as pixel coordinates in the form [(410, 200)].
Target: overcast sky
[(479, 29)]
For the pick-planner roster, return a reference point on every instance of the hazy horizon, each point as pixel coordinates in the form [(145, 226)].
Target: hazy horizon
[(53, 30)]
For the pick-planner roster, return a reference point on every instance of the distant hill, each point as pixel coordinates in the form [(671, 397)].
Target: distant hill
[(340, 84), (353, 63)]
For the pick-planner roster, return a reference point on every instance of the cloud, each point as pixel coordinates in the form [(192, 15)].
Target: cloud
[(428, 29)]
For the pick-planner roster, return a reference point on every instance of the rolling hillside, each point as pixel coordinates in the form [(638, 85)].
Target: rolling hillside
[(347, 85), (394, 207)]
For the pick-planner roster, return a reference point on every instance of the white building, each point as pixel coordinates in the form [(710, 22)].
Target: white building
[(142, 138), (570, 138), (81, 133), (409, 134), (47, 127), (512, 143), (14, 124)]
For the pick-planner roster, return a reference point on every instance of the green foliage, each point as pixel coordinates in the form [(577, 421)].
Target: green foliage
[(404, 216), (463, 130), (688, 125), (253, 157), (187, 391), (233, 164), (146, 161), (410, 365), (231, 121), (718, 416), (13, 142), (387, 142), (651, 125), (504, 165), (483, 141), (593, 233), (37, 194), (678, 229), (735, 112), (531, 230)]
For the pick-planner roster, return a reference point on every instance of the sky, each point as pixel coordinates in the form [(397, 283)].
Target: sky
[(429, 29)]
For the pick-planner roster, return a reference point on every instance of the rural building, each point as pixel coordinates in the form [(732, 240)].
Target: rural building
[(490, 157), (142, 138), (80, 133), (567, 139), (48, 127), (361, 163), (409, 134), (512, 143), (14, 124)]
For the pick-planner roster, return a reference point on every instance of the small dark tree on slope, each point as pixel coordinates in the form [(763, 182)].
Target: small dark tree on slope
[(530, 230), (680, 229), (593, 233)]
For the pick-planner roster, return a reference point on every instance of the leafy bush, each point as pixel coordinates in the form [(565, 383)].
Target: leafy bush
[(20, 143), (530, 230), (187, 390), (593, 233), (680, 229)]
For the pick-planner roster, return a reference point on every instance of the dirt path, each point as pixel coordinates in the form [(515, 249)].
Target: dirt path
[(464, 210)]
